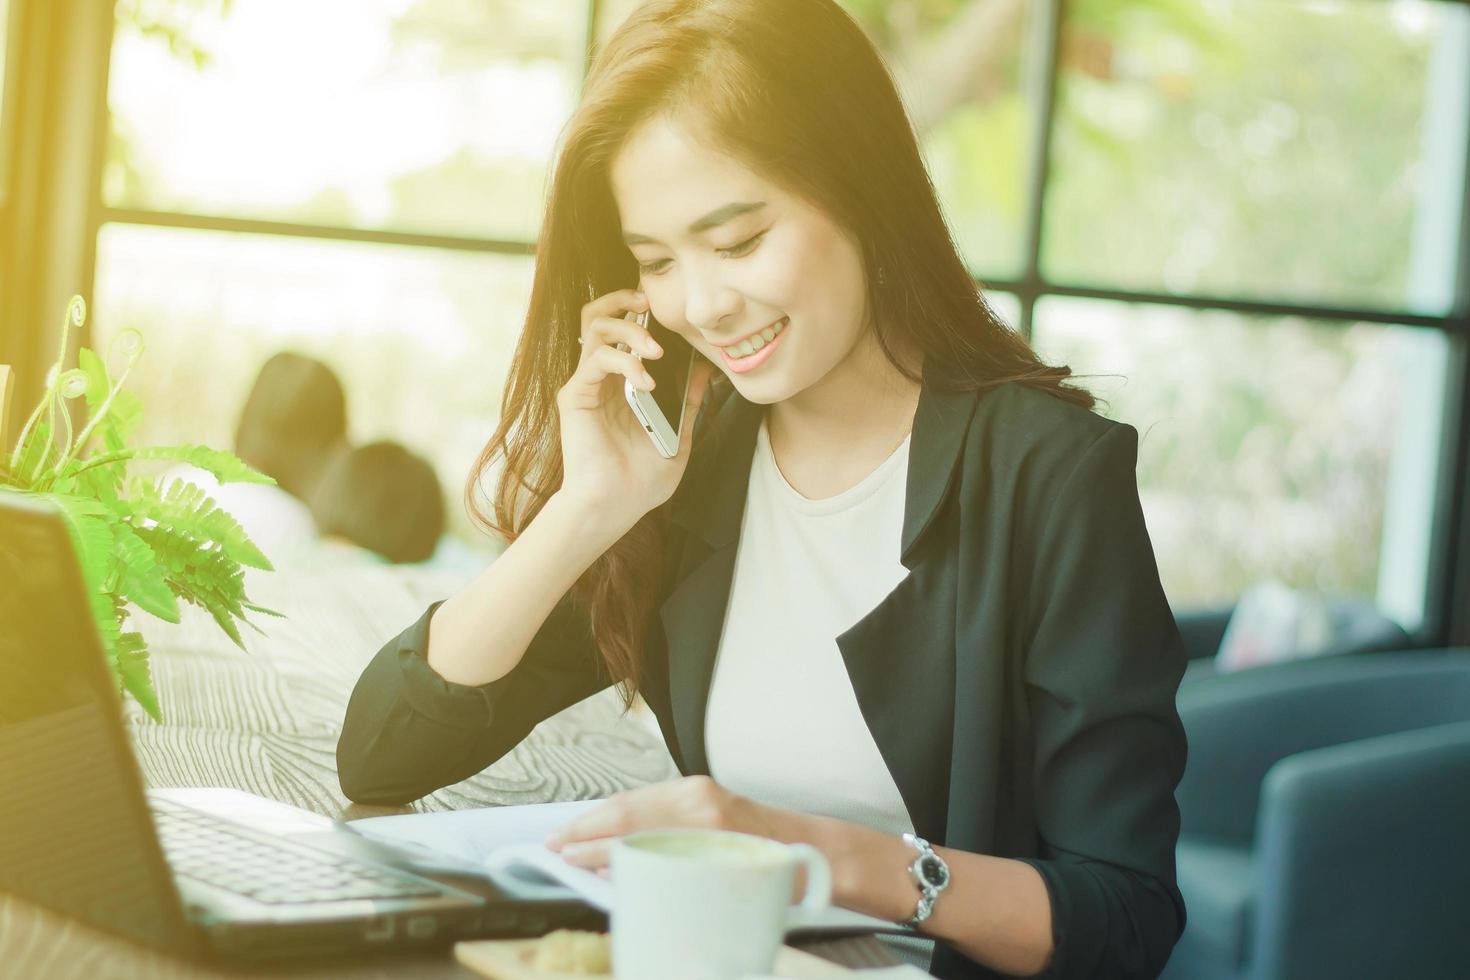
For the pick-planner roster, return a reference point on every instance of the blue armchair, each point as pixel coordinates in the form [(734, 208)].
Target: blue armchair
[(1326, 820)]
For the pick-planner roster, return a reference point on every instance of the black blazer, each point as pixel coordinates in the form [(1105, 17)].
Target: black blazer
[(1019, 683)]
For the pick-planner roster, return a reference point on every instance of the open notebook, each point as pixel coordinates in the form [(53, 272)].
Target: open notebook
[(509, 840)]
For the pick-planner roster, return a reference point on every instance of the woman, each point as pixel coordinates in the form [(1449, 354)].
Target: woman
[(896, 579)]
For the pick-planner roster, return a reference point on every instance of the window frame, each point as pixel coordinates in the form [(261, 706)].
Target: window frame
[(1445, 620)]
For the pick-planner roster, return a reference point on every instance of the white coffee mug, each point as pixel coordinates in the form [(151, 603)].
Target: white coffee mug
[(706, 904)]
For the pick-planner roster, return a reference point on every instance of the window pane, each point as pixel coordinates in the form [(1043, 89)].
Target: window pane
[(959, 68), (1292, 150), (1269, 447), (1006, 305), (420, 337), (435, 116)]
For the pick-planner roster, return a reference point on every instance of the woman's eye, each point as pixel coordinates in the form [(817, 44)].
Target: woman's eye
[(744, 248), (734, 252)]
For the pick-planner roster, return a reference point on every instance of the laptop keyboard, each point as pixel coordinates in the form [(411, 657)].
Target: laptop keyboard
[(207, 849)]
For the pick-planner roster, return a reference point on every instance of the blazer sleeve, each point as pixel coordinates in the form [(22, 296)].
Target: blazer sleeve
[(408, 731), (1102, 671)]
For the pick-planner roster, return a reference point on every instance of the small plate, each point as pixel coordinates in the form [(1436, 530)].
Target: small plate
[(511, 959)]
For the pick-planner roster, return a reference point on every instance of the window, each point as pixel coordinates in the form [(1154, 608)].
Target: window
[(1305, 157), (359, 181), (1258, 149), (1238, 221), (960, 68), (394, 322), (1269, 447), (434, 117)]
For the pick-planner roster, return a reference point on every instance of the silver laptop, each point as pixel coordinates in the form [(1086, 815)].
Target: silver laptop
[(79, 834)]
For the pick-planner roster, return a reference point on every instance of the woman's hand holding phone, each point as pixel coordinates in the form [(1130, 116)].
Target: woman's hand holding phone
[(608, 462)]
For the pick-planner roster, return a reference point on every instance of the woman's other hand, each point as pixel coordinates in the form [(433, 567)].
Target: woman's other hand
[(692, 801)]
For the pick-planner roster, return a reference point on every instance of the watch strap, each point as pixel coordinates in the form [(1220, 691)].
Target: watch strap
[(928, 893)]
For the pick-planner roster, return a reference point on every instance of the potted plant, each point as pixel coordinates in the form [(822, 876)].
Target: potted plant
[(140, 546)]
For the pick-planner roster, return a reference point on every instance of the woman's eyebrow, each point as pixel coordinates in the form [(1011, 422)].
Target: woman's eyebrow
[(714, 219)]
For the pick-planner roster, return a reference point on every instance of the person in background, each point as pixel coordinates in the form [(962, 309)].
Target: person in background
[(382, 498), (294, 420)]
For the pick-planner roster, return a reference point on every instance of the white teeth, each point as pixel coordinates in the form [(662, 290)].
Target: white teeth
[(747, 347)]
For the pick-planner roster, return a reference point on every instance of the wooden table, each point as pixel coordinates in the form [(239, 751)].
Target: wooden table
[(266, 721)]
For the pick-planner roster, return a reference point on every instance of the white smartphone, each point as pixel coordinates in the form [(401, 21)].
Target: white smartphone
[(661, 411)]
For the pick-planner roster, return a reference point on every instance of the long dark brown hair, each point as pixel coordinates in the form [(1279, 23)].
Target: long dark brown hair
[(796, 91)]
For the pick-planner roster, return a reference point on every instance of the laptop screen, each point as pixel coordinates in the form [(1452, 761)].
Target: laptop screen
[(75, 831)]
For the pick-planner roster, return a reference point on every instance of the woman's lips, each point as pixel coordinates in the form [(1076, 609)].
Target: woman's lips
[(740, 365)]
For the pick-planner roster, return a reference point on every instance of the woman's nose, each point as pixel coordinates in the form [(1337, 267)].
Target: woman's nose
[(708, 303)]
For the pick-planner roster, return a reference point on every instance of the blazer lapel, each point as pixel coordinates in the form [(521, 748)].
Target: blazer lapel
[(900, 656)]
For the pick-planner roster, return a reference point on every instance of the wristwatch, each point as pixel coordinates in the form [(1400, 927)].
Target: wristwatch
[(930, 873)]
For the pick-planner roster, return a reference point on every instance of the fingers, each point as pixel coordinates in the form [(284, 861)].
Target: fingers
[(592, 854), (605, 331), (612, 817), (612, 305), (692, 801), (584, 389)]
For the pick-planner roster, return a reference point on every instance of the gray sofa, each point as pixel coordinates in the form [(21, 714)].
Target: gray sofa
[(1326, 820)]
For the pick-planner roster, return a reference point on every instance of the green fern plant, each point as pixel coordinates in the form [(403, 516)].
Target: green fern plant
[(141, 546)]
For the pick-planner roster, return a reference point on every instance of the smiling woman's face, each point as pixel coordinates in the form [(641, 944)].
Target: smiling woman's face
[(773, 264)]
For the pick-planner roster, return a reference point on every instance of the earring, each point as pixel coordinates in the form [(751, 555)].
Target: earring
[(881, 280)]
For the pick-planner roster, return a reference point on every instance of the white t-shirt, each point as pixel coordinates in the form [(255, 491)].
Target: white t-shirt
[(783, 725)]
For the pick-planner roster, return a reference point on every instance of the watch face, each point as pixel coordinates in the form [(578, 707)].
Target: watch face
[(934, 871)]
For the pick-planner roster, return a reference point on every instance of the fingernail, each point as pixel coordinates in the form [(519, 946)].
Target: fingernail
[(640, 297)]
